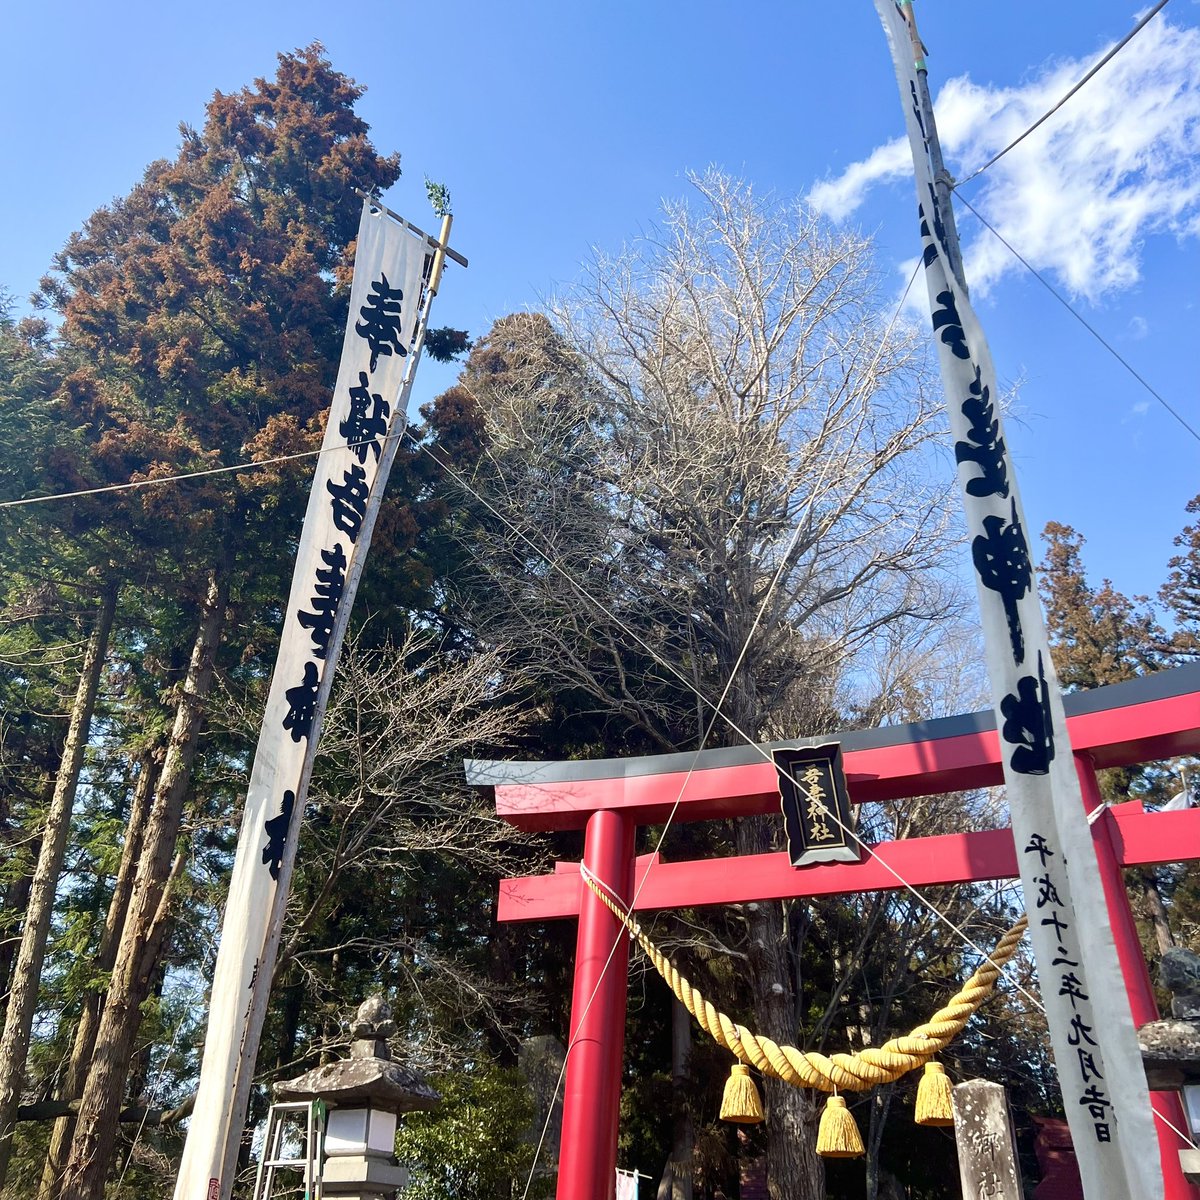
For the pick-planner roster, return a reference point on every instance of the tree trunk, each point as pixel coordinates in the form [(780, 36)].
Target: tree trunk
[(794, 1171), (676, 1182), (139, 1083), (16, 898), (95, 1132), (291, 996), (89, 1016), (1156, 910), (880, 1101), (22, 1000)]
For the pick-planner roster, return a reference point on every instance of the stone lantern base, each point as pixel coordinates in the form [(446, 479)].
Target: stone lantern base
[(365, 1178)]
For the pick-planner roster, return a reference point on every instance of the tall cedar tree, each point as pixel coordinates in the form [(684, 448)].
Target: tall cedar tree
[(206, 309), (47, 670), (1181, 592), (1100, 636), (33, 633)]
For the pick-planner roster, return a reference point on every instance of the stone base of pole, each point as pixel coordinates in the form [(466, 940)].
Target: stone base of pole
[(1171, 1047)]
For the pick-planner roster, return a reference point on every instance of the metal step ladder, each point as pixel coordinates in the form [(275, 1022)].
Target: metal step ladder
[(298, 1126)]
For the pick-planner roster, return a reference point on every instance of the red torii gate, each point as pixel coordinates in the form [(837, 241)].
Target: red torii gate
[(1145, 720)]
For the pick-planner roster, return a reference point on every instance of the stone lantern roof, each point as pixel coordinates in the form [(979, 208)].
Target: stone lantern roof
[(369, 1075)]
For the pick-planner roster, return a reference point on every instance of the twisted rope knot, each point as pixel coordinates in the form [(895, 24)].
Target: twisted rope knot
[(856, 1072)]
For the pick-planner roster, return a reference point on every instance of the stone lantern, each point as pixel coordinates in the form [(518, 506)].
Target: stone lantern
[(364, 1094)]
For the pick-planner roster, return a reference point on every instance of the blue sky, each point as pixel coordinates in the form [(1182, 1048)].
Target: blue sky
[(559, 127)]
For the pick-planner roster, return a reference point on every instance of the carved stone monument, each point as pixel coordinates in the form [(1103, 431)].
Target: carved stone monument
[(987, 1161)]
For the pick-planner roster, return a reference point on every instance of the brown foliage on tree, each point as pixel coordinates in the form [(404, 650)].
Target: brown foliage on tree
[(202, 324), (1098, 636), (1181, 592)]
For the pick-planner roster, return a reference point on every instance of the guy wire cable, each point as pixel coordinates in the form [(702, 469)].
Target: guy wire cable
[(688, 684), (233, 468), (1067, 305), (1047, 115), (716, 712), (554, 565)]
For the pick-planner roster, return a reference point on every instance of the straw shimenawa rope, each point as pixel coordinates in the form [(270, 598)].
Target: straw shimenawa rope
[(837, 1072)]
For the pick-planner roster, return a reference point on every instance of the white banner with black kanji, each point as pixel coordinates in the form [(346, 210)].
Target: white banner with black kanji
[(1091, 1028), (359, 445)]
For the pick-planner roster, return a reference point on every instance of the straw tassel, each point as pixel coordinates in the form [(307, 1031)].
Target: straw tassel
[(934, 1106), (838, 1135), (741, 1102)]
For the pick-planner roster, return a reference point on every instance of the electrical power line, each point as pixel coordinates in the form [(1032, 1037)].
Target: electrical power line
[(1047, 115), (233, 468), (1080, 318)]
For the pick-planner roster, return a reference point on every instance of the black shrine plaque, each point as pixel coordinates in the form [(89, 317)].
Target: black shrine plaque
[(817, 816)]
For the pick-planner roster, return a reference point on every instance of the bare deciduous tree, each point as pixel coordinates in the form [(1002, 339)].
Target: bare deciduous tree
[(390, 817), (721, 451)]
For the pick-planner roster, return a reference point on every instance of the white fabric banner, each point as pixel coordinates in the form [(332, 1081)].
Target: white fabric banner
[(1091, 1029), (627, 1185), (360, 443)]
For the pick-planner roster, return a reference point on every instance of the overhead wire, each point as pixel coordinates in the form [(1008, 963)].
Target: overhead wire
[(956, 186), (1104, 60), (716, 709), (183, 476), (1107, 58), (717, 713), (1081, 319)]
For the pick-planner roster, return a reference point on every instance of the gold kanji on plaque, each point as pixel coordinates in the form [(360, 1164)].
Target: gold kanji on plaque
[(817, 815)]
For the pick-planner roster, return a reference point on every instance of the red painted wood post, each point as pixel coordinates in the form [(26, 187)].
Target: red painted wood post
[(1137, 978), (592, 1092)]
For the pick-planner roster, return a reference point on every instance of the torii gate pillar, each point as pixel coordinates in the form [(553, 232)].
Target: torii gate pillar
[(592, 1091)]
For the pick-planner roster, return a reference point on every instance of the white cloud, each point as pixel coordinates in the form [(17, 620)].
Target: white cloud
[(839, 197), (1118, 163)]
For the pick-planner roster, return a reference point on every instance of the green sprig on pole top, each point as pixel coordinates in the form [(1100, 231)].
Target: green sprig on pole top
[(439, 197)]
